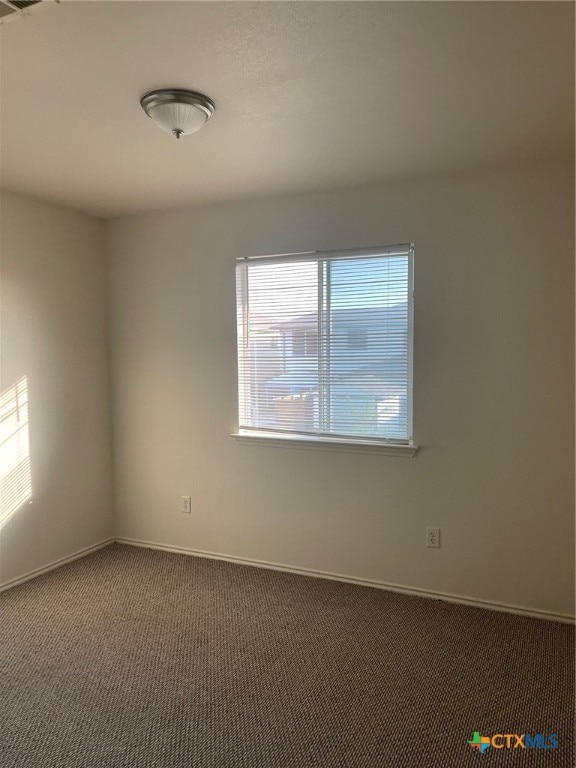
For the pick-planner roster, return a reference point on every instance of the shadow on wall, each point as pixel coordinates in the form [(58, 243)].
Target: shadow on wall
[(15, 472)]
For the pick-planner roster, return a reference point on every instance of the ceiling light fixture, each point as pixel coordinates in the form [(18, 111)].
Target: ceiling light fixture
[(177, 111)]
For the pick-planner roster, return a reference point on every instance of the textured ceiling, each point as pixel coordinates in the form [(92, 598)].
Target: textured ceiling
[(309, 96)]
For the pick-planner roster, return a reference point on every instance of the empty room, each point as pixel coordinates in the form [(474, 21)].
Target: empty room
[(287, 384)]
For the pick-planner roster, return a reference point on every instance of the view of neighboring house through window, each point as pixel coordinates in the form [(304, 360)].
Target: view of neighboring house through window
[(325, 344), (357, 338)]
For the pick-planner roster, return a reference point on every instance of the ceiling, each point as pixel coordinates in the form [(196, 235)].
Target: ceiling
[(309, 96)]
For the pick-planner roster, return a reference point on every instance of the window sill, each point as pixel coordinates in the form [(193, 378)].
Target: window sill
[(274, 440)]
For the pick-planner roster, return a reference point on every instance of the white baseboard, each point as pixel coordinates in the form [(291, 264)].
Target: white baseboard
[(55, 564), (430, 594), (446, 596)]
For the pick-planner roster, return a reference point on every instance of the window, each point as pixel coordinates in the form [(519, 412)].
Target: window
[(341, 367)]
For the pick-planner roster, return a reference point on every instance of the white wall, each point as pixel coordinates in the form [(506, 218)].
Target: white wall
[(493, 390), (54, 333)]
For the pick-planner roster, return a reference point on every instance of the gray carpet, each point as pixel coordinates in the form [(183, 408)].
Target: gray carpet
[(131, 658)]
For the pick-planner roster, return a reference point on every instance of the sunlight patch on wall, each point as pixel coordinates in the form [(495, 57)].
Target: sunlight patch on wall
[(15, 473)]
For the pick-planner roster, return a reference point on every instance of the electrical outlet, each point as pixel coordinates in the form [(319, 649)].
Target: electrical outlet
[(433, 537), (186, 505)]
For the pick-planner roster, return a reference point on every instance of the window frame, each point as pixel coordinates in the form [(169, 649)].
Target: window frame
[(286, 439)]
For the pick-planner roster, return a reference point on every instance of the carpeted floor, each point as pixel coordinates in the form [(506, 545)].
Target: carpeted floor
[(132, 658)]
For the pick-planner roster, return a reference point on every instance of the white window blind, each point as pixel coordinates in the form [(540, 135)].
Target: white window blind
[(325, 344)]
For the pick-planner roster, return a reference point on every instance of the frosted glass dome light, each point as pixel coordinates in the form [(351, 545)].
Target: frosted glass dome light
[(177, 111)]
